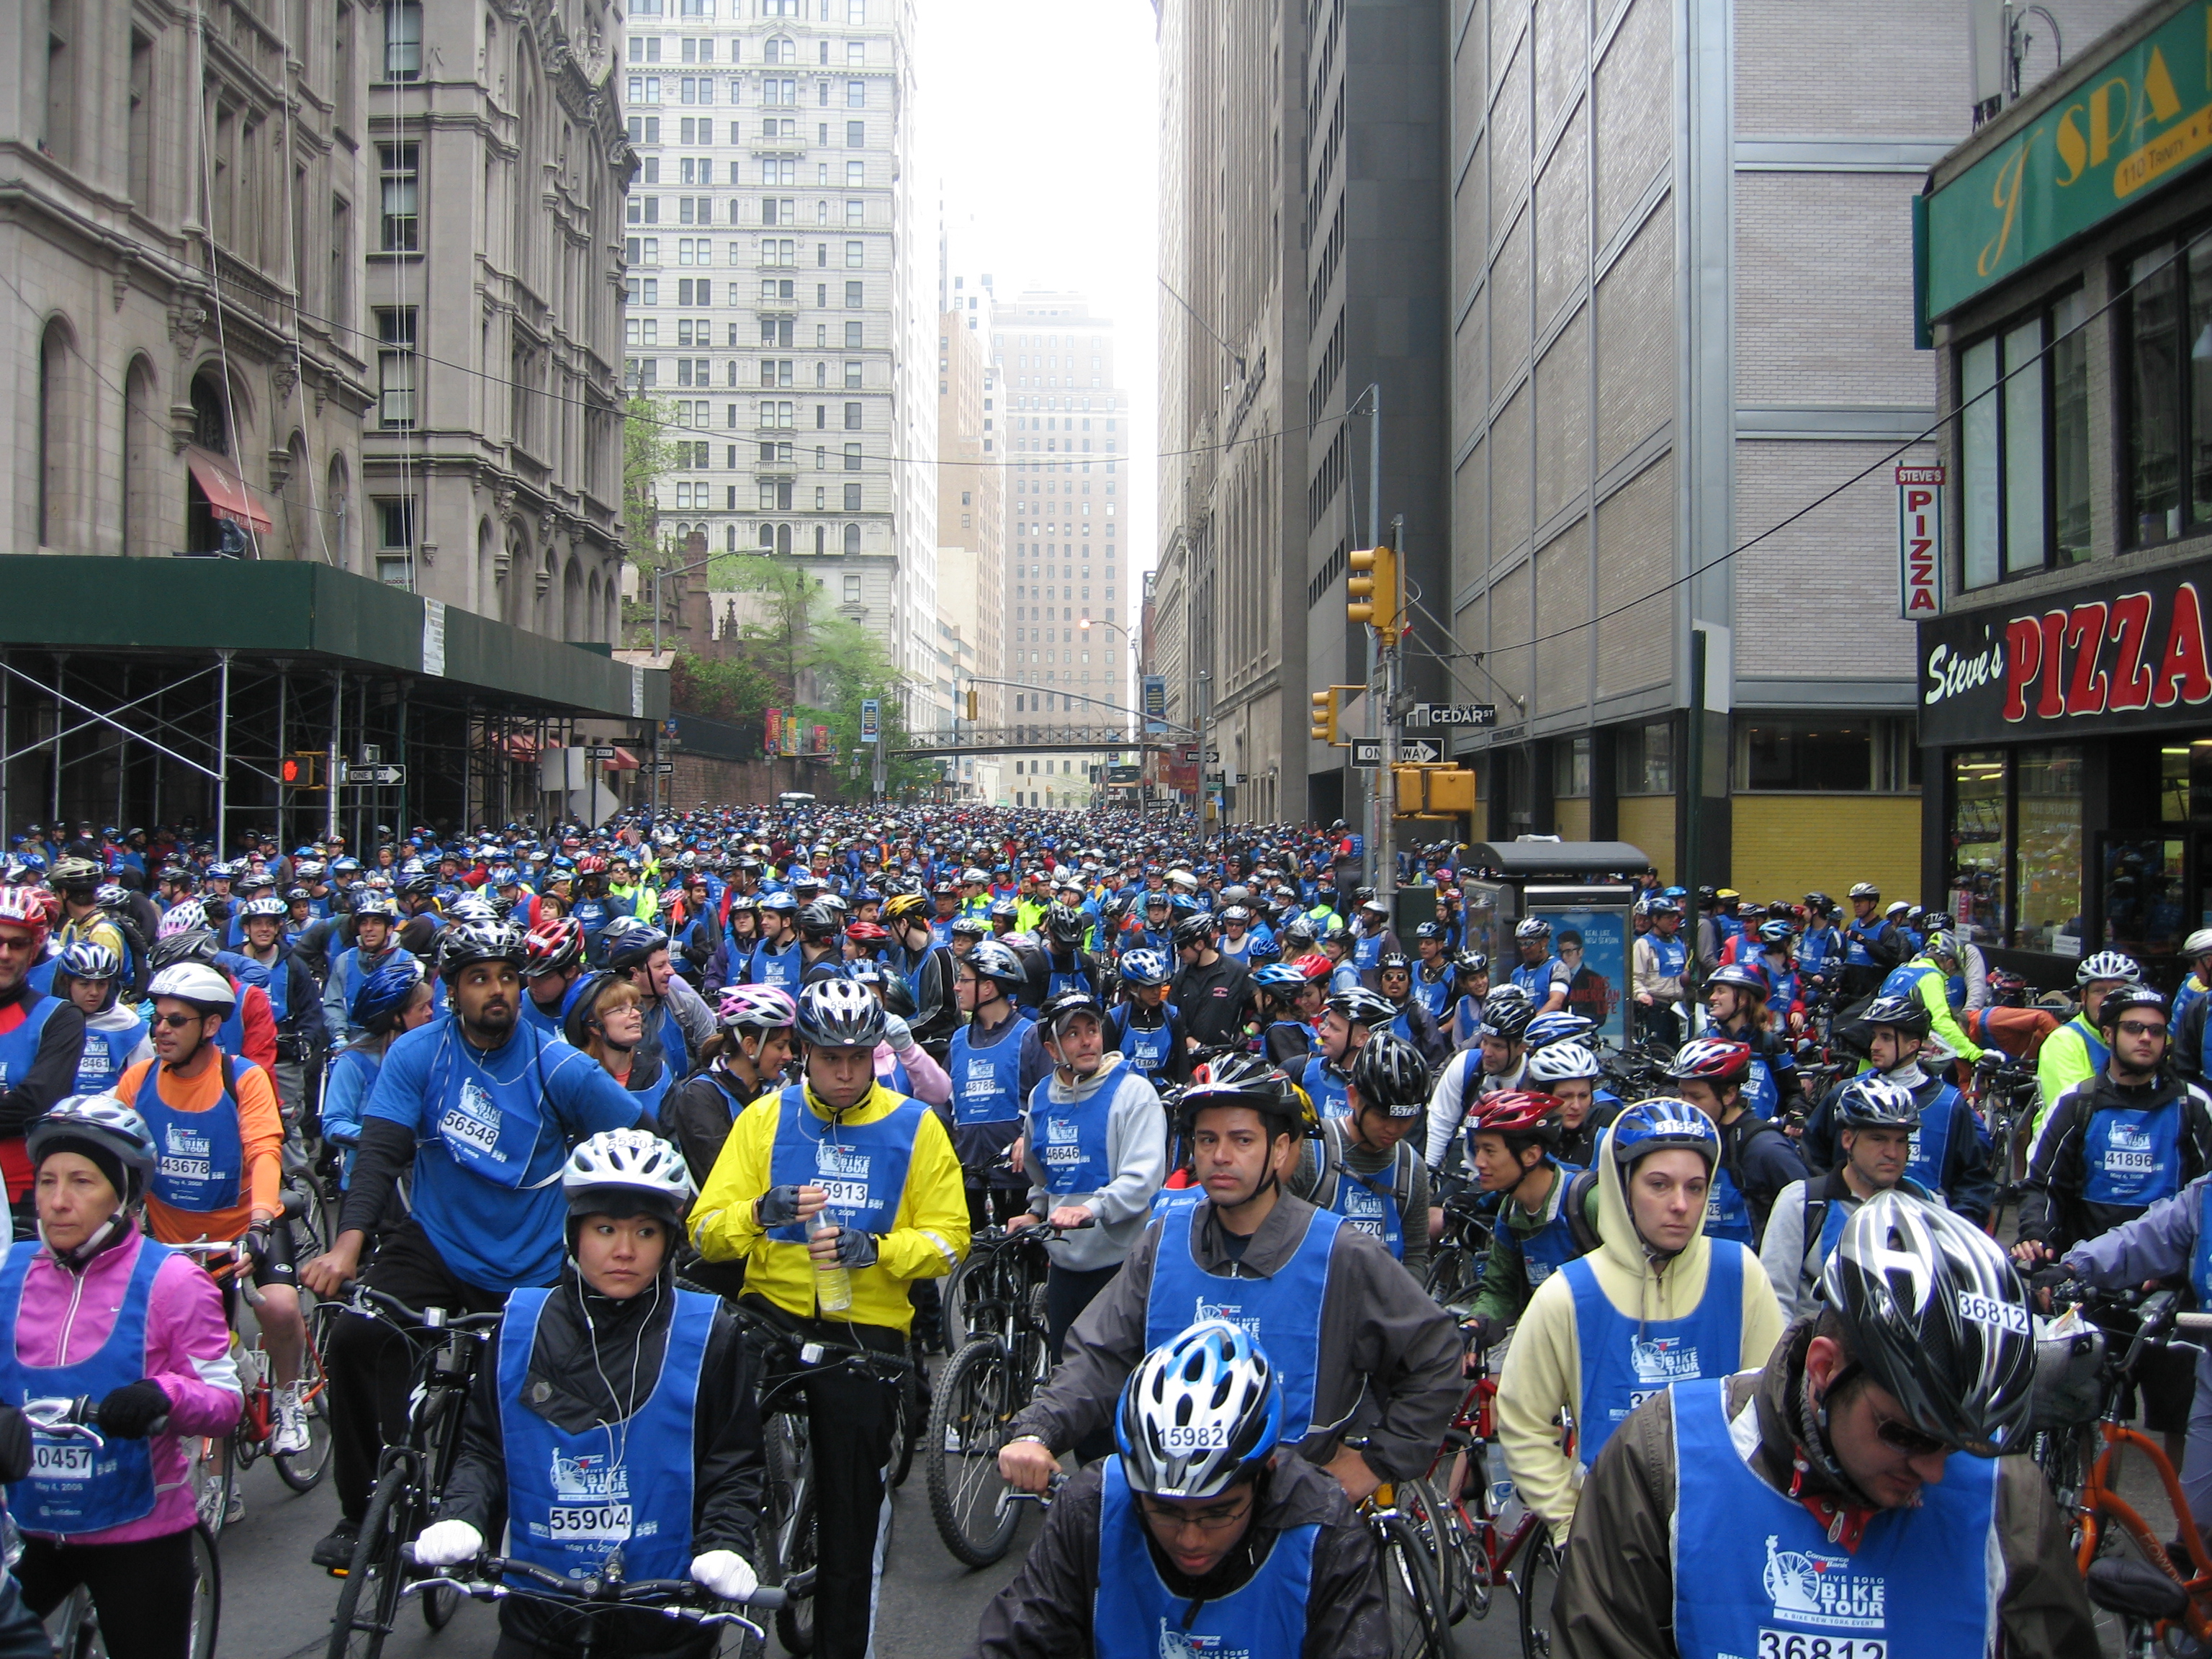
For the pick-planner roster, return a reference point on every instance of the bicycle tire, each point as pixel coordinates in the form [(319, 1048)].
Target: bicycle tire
[(1536, 1583), (1415, 1611), (913, 1415), (373, 1574), (794, 1619), (969, 1411), (788, 1535), (1453, 1276), (1433, 1519), (976, 1279), (207, 1595), (304, 1471), (215, 1470)]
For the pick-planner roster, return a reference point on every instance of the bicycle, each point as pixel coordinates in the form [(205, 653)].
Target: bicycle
[(219, 1460), (73, 1626), (409, 1475), (1419, 1628), (2154, 1597), (983, 1387), (788, 1539), (485, 1580), (1461, 1252)]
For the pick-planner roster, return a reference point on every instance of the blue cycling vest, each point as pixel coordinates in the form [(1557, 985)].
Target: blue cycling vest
[(1076, 978), (74, 1486), (1370, 1204), (1762, 1098), (2131, 1157), (1434, 994), (675, 1047), (1671, 954), (1069, 1137), (1769, 1584), (2200, 1253), (1150, 1049), (782, 967), (107, 1056), (1327, 1087), (1536, 979), (1856, 938), (1932, 1140), (278, 987), (1283, 1312), (1816, 948), (593, 916), (2099, 1054), (1728, 1213), (1366, 951), (199, 1157), (986, 1081), (1134, 1616), (1626, 1361), (575, 1499), (19, 1049), (861, 1166), (1553, 1245), (489, 1125)]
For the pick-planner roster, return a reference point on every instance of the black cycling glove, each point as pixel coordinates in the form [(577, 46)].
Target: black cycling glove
[(778, 1206), (131, 1412), (855, 1249)]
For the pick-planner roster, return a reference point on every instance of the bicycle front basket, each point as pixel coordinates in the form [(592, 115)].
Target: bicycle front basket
[(2069, 1366)]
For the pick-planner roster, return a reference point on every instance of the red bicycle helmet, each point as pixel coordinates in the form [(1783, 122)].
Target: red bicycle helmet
[(1519, 1112), (1712, 1060), (24, 907), (552, 946), (592, 864), (871, 934), (1315, 966)]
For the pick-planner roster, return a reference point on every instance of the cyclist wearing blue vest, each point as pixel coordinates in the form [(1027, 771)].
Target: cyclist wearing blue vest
[(1366, 1167), (1068, 965), (1370, 1366), (927, 964), (776, 959), (1871, 944), (88, 975), (1877, 1121), (1280, 992), (1950, 1153), (1926, 978), (552, 971), (1470, 988), (839, 1173), (372, 946), (1433, 974), (394, 1000), (624, 1420), (1757, 1160), (1347, 1020), (985, 1062), (1543, 977), (1821, 1504), (1395, 982), (1659, 1302), (295, 1000), (479, 1108), (1147, 1030), (1543, 1221), (2077, 1050), (2190, 1003), (1199, 1536), (592, 908), (1371, 939), (1094, 1142), (1736, 1010)]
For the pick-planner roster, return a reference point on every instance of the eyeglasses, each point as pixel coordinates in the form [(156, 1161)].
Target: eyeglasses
[(1910, 1440), (2135, 1028), (178, 1022), (1218, 1519)]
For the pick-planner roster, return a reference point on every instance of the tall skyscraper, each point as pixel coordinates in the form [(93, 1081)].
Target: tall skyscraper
[(1071, 594), (971, 519), (776, 255)]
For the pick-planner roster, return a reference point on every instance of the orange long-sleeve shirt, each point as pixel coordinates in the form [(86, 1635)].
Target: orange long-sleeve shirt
[(260, 1126)]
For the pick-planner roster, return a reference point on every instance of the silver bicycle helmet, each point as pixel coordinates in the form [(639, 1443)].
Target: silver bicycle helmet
[(1199, 1412)]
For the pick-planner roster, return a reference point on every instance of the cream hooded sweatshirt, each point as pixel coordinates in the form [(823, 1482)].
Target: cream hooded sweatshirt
[(1543, 1373)]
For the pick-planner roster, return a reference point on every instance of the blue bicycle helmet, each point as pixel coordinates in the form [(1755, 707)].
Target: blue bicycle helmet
[(381, 998), (1653, 1125), (1556, 1028), (1201, 1412), (1147, 968)]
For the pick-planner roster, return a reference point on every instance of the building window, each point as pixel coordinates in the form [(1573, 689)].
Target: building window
[(395, 367), (852, 531), (855, 255), (395, 552), (852, 457), (852, 590), (398, 181), (1570, 767), (856, 213), (2047, 859), (1645, 755), (2024, 446), (2166, 365), (852, 421), (852, 377), (403, 40)]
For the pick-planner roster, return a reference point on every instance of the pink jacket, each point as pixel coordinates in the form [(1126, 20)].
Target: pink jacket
[(62, 1318), (926, 1079)]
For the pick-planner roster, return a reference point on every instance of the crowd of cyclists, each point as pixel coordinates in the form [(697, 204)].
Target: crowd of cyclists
[(646, 1091)]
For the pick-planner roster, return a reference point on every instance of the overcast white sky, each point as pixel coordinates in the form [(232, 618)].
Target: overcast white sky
[(1038, 129)]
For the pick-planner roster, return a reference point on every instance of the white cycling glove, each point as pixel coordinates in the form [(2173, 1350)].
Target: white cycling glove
[(898, 1033), (448, 1543), (725, 1572)]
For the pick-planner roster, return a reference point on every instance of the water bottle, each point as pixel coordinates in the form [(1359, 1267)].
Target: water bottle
[(833, 1285)]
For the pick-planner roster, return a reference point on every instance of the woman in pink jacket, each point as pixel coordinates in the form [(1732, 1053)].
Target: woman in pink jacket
[(97, 1309)]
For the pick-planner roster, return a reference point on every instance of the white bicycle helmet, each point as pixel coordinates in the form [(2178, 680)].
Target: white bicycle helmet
[(1198, 1411), (1557, 1061), (624, 1172), (2108, 964), (758, 1008), (197, 983), (183, 917), (840, 1013), (1533, 927)]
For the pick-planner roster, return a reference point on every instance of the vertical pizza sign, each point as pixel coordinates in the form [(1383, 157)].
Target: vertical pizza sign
[(1920, 542)]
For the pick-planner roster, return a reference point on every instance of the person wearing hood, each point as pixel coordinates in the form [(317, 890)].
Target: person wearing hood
[(607, 1021), (1849, 1496), (98, 1309), (1657, 1303), (1878, 1122), (1095, 1145), (650, 1388)]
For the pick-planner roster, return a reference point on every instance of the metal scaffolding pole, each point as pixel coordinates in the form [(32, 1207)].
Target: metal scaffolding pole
[(222, 756), (61, 671), (330, 765)]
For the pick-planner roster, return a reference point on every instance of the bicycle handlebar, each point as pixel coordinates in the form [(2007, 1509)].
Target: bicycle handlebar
[(367, 1300), (812, 1350), (1043, 1500), (484, 1580), (239, 1250)]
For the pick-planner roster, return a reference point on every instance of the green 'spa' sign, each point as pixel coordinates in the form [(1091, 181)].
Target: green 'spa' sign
[(2132, 122)]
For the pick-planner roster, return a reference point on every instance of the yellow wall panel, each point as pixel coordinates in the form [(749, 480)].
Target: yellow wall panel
[(1572, 818), (1648, 822), (1788, 846)]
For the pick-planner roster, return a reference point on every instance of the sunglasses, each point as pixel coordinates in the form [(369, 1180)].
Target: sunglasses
[(178, 1022), (2135, 1028), (1909, 1440), (1211, 1520)]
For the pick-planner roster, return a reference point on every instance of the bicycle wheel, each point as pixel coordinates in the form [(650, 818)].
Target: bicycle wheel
[(1433, 1519), (207, 1595), (215, 1474), (911, 1416), (970, 1285), (1453, 1276), (370, 1599), (968, 1418), (789, 1528), (794, 1619), (1538, 1581), (303, 1471), (1409, 1590)]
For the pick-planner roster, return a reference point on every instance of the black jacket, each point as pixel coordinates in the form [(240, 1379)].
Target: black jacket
[(1212, 999), (2052, 1210), (579, 1376), (1761, 1160), (1045, 1611)]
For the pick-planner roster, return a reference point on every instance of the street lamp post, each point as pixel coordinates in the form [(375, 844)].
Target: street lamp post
[(1135, 729)]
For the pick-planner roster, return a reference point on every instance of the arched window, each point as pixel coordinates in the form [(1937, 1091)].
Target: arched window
[(852, 538), (142, 462), (820, 537), (210, 413), (53, 434), (574, 623), (783, 540), (768, 539), (339, 503), (782, 49)]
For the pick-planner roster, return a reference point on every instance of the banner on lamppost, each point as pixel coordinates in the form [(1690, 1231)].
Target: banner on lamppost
[(872, 719), (1155, 704), (821, 744), (774, 737)]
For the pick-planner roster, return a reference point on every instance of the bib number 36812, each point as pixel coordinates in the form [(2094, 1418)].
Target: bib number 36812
[(1796, 1645)]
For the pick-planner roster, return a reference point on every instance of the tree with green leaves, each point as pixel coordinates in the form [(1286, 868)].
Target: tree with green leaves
[(648, 455)]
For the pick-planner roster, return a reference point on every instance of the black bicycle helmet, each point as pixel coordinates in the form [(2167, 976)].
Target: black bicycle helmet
[(465, 943), (1066, 926), (1935, 1313), (840, 1013), (1065, 1006), (819, 920), (1506, 1017), (1905, 1014), (1391, 1076), (194, 945), (1195, 928), (2117, 1002)]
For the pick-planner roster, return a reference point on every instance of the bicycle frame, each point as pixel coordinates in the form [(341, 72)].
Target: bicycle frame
[(2100, 1501)]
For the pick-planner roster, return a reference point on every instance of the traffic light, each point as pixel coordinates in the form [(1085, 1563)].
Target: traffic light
[(971, 702), (301, 771), (1372, 589), (1324, 716)]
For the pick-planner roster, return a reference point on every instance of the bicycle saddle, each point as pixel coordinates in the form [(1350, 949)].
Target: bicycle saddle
[(2119, 1584)]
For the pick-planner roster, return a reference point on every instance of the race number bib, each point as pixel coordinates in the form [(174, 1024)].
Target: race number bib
[(458, 1125), (61, 1460), (589, 1523), (1796, 1645)]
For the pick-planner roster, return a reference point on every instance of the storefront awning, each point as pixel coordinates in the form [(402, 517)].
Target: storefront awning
[(226, 491), (623, 761), (520, 746)]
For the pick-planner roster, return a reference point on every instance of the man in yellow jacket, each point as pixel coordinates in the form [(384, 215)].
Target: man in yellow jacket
[(1926, 978), (1657, 1303), (2076, 1051), (838, 1193)]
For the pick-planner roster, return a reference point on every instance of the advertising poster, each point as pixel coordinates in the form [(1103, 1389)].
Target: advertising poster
[(1594, 944)]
